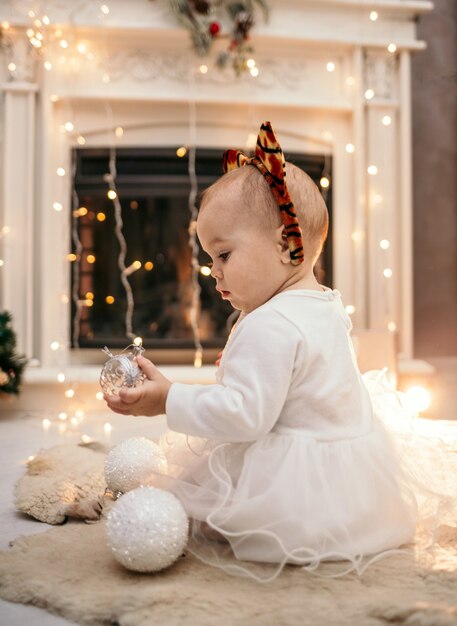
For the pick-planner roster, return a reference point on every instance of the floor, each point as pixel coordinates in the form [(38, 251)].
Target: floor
[(22, 436), (23, 433)]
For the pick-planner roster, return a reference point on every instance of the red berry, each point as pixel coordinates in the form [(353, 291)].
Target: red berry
[(214, 28)]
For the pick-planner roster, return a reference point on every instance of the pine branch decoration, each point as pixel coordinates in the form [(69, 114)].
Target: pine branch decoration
[(11, 364)]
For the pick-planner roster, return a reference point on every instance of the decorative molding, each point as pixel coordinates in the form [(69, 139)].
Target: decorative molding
[(18, 50), (380, 72)]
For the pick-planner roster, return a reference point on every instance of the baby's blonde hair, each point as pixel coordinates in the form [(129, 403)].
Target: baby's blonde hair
[(251, 199)]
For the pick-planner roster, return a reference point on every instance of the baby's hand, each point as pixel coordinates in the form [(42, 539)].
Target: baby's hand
[(146, 399)]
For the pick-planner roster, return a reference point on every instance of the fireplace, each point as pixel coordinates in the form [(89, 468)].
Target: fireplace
[(333, 81)]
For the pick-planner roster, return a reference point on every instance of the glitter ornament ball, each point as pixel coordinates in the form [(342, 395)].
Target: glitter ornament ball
[(132, 463), (147, 529), (121, 370)]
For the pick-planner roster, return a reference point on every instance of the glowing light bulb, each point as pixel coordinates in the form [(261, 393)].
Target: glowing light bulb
[(203, 69), (107, 428), (372, 170), (181, 152), (89, 295), (350, 309), (46, 424), (104, 9), (388, 272), (57, 206), (69, 126), (205, 270), (80, 140), (384, 244), (99, 395), (5, 25), (2, 262), (109, 299), (64, 299), (138, 341), (81, 48), (250, 63), (357, 235), (374, 16), (254, 71), (324, 182), (61, 377), (148, 266), (74, 421), (72, 257), (198, 358), (112, 195), (63, 43), (418, 398), (350, 148), (387, 120), (136, 264), (45, 19), (12, 67), (101, 217), (63, 416), (53, 97), (69, 393), (47, 65), (90, 258), (330, 66), (85, 439), (392, 326), (55, 345), (60, 171), (392, 48), (79, 414), (369, 94), (119, 131)]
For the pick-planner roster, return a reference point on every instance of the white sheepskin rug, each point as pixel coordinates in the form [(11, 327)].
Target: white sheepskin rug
[(69, 571)]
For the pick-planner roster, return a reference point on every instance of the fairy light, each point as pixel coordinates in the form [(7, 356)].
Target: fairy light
[(61, 377), (112, 195), (74, 421), (47, 65), (181, 152), (12, 67), (387, 120), (350, 309), (89, 295), (372, 170), (392, 327), (64, 298), (119, 131), (55, 345), (72, 257), (357, 235), (387, 272), (91, 258), (62, 416), (392, 48), (61, 171), (69, 393), (133, 267), (109, 299), (254, 71), (69, 126), (107, 428), (104, 9), (324, 182), (57, 206), (46, 424), (53, 97), (384, 244), (81, 48), (369, 94), (330, 66), (45, 19), (80, 140), (418, 398), (374, 16), (203, 69), (250, 63), (138, 341), (85, 439), (350, 148), (101, 217), (5, 25), (99, 395), (2, 262), (205, 270), (148, 266), (63, 43)]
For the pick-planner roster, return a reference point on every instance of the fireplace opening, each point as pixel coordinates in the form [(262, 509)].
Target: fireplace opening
[(153, 188)]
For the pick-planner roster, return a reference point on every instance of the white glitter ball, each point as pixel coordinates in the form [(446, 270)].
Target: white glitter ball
[(132, 464), (147, 529)]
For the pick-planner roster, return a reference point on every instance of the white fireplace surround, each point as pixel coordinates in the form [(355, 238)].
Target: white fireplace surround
[(145, 78)]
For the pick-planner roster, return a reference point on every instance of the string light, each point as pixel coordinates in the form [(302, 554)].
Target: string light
[(81, 48), (109, 299), (99, 395), (369, 94), (63, 43), (391, 48), (112, 195), (107, 428), (384, 244), (80, 140), (350, 309), (203, 69), (69, 126), (90, 258), (69, 393), (205, 270), (138, 341), (388, 272), (61, 377), (250, 63), (357, 235), (374, 16), (372, 170), (387, 120), (57, 206), (47, 65), (53, 97), (101, 217), (254, 71), (46, 424), (148, 266), (62, 416), (119, 131), (324, 182), (60, 171), (12, 67), (45, 19), (72, 257), (104, 9), (55, 345), (350, 148), (181, 152), (392, 326), (330, 66)]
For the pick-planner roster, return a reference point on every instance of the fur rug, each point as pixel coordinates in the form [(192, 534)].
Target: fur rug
[(70, 571)]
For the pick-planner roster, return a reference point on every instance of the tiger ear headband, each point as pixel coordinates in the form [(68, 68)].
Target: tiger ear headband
[(269, 160)]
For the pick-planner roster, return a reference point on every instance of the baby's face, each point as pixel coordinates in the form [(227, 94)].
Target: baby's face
[(246, 260)]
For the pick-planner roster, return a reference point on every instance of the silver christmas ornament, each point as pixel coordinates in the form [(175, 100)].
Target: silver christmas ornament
[(132, 463), (121, 370), (147, 529)]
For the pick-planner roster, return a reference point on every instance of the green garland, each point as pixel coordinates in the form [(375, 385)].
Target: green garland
[(11, 364), (201, 19)]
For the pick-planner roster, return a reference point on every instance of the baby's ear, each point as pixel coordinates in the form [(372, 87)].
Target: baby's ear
[(283, 244)]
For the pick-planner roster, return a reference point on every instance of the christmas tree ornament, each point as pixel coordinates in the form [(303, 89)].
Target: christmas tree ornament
[(147, 529), (121, 370), (132, 464), (214, 28)]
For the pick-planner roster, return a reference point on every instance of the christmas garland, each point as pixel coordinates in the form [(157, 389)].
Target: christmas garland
[(11, 364), (202, 19)]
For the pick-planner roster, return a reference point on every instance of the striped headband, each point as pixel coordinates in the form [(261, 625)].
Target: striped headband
[(269, 160)]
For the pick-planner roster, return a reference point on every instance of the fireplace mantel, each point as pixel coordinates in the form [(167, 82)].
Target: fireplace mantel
[(145, 78)]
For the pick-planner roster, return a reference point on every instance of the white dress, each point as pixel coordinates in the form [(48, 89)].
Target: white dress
[(286, 457)]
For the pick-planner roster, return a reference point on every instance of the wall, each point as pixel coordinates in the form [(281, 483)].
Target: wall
[(434, 76)]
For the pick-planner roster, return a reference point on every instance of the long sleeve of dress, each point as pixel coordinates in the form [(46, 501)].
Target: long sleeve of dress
[(257, 368)]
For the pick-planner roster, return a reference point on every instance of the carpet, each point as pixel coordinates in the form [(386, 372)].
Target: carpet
[(69, 571)]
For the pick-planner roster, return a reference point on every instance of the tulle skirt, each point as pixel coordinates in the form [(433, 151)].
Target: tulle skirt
[(290, 498)]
